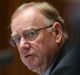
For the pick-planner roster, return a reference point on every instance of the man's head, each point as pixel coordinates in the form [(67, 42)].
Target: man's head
[(38, 31)]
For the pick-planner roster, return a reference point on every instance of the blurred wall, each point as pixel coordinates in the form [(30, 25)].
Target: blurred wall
[(7, 7)]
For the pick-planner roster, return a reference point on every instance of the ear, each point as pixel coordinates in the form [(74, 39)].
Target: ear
[(58, 32)]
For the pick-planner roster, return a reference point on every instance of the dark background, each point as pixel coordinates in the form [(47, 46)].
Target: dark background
[(69, 10)]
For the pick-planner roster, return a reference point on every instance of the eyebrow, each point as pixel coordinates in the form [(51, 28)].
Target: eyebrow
[(29, 28)]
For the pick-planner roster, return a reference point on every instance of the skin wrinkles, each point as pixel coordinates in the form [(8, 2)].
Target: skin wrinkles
[(37, 54)]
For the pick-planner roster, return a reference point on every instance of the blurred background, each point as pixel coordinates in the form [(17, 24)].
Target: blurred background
[(10, 63)]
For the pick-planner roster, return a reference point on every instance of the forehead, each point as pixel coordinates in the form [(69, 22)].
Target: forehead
[(27, 18)]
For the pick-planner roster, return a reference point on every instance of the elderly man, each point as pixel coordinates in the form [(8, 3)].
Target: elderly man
[(39, 33)]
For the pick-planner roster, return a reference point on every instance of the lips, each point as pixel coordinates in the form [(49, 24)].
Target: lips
[(27, 56)]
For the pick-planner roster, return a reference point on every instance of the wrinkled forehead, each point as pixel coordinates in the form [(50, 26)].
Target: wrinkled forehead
[(27, 18)]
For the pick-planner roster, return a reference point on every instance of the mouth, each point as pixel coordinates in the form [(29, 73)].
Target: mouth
[(27, 56)]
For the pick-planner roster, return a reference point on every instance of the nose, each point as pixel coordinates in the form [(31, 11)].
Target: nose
[(24, 44)]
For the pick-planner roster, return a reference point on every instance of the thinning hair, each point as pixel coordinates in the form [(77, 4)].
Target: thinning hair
[(46, 9), (50, 13)]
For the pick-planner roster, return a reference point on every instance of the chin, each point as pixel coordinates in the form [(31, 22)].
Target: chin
[(33, 64), (34, 68)]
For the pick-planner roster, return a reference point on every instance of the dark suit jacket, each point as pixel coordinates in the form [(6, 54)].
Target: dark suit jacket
[(68, 62)]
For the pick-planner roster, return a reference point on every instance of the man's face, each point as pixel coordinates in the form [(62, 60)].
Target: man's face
[(40, 52)]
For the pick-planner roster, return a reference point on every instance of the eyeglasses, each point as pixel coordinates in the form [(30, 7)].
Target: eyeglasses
[(27, 34)]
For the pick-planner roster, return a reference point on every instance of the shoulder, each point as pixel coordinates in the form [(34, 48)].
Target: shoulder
[(70, 62)]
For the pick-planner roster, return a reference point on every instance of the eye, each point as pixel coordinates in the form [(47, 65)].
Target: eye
[(30, 34), (17, 39)]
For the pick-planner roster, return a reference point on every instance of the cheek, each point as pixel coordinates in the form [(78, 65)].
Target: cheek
[(44, 52), (49, 48), (38, 50), (36, 60)]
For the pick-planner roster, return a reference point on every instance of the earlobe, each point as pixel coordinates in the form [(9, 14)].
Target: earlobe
[(58, 32)]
